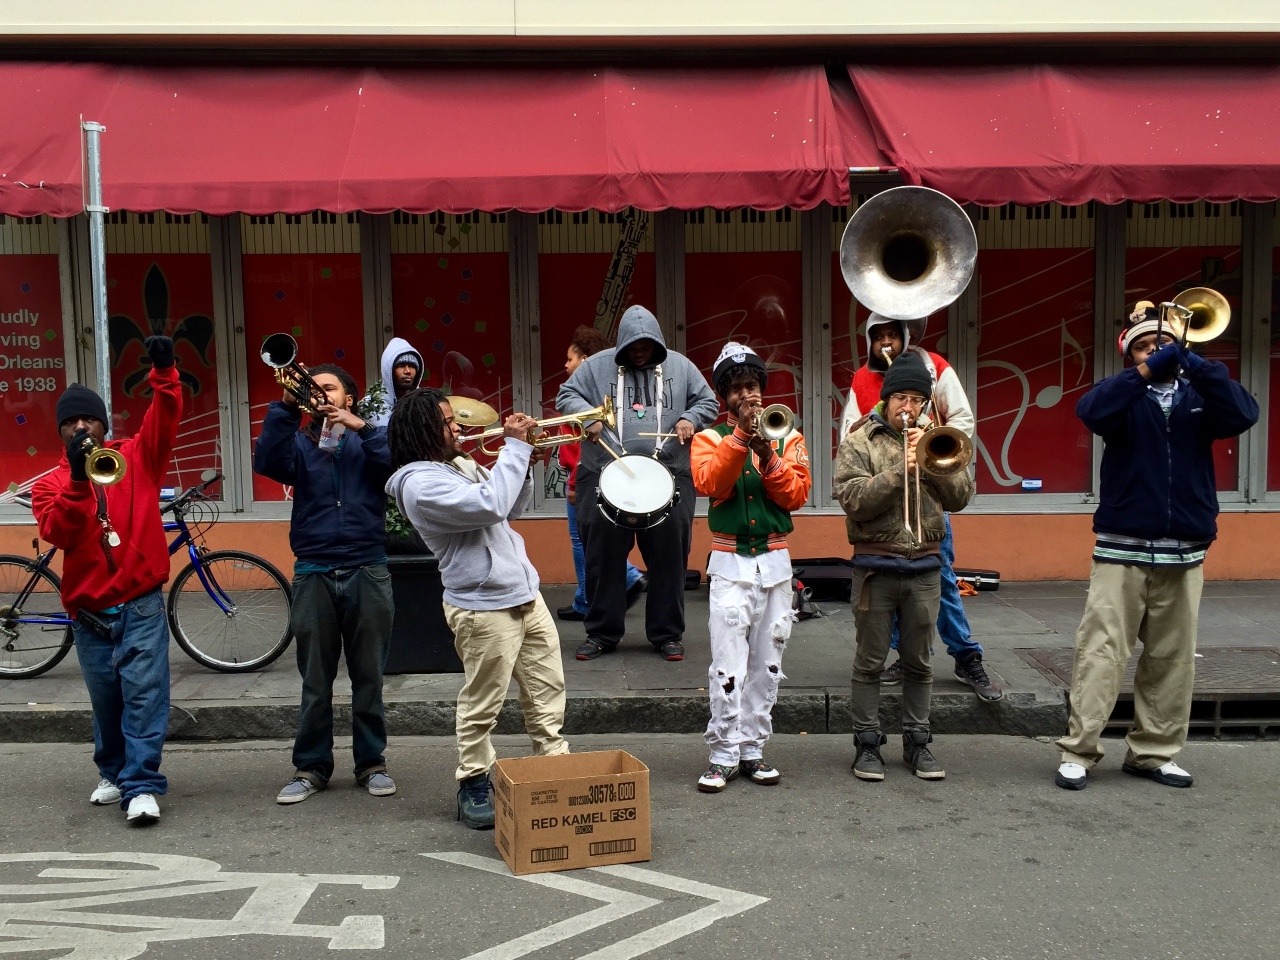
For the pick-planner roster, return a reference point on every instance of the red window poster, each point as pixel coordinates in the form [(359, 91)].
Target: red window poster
[(169, 294), (1273, 419), (32, 367), (1158, 273), (1035, 361), (317, 299), (753, 298)]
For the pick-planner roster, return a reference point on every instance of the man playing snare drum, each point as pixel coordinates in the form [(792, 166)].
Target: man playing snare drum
[(661, 400), (754, 483)]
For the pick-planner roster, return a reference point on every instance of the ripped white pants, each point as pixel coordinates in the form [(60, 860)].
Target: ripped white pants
[(750, 624)]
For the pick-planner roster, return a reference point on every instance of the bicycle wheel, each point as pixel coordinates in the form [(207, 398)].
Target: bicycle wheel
[(29, 649), (254, 629)]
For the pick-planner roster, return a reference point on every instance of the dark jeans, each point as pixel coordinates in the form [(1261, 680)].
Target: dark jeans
[(665, 549), (343, 612), (127, 674)]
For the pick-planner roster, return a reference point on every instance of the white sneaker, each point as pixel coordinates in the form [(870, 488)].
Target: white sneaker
[(105, 793), (143, 809), (1169, 774), (1072, 776)]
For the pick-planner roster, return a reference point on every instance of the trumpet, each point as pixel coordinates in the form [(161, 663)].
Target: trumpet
[(280, 352), (103, 465), (775, 421), (542, 440)]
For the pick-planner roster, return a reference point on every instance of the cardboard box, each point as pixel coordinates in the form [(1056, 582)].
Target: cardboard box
[(571, 811)]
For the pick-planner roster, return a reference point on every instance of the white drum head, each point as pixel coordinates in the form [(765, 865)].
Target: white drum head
[(649, 488)]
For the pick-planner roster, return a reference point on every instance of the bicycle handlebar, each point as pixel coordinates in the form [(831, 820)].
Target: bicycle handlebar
[(187, 495)]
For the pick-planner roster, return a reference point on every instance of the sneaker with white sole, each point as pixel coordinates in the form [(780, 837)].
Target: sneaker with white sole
[(143, 809), (379, 784), (717, 777), (105, 794), (1169, 774), (759, 770), (297, 790), (1072, 776)]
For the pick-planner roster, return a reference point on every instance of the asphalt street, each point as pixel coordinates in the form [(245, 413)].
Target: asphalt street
[(993, 862)]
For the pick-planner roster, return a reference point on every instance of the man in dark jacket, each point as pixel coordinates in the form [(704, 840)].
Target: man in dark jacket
[(341, 587), (1156, 517)]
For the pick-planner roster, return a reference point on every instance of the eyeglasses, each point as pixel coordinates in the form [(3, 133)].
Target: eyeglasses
[(906, 400)]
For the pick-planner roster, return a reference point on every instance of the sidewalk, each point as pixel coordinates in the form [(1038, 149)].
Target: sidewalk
[(634, 690)]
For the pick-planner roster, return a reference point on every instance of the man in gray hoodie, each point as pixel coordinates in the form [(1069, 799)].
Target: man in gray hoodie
[(654, 391), (501, 626), (401, 372)]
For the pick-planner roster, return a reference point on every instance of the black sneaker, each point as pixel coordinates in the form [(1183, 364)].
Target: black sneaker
[(672, 650), (869, 764), (917, 756), (891, 676), (569, 613), (758, 771), (475, 805), (971, 672), (590, 649)]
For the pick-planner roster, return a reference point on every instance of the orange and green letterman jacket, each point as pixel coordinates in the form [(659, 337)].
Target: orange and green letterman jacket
[(750, 511)]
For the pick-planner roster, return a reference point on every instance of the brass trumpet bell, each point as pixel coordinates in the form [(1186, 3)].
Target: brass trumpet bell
[(908, 252), (944, 451), (103, 465), (280, 352), (1210, 314), (472, 413), (776, 421)]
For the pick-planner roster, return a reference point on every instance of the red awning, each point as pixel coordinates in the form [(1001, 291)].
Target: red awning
[(277, 139), (992, 135)]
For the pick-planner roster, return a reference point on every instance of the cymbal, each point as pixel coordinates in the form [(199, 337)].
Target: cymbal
[(472, 413)]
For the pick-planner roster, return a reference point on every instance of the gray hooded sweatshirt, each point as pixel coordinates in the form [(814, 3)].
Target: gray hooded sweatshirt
[(482, 560), (395, 347), (686, 396)]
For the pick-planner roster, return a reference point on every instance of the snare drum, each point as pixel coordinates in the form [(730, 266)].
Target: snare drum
[(636, 493)]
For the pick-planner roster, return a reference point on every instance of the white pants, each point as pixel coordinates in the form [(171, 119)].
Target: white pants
[(750, 624)]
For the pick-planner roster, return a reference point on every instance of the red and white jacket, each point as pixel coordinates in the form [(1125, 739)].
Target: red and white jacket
[(951, 406)]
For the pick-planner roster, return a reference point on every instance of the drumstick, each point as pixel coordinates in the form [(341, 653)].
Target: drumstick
[(625, 469)]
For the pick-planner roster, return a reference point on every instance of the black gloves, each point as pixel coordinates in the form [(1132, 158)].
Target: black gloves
[(77, 451), (1164, 363), (1192, 362), (160, 350)]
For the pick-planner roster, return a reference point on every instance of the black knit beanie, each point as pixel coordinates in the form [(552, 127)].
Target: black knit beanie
[(80, 401), (907, 372)]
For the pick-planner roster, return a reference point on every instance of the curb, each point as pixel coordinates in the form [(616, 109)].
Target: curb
[(814, 711)]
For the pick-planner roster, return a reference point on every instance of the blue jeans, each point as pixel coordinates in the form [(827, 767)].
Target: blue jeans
[(953, 625), (580, 602), (127, 675), (343, 612)]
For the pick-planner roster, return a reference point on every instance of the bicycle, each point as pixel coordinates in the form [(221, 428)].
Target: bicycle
[(233, 618)]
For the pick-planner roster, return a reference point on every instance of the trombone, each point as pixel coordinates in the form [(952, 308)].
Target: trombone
[(940, 452), (541, 440), (280, 352)]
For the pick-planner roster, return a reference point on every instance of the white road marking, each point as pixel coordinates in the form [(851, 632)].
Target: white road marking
[(726, 903)]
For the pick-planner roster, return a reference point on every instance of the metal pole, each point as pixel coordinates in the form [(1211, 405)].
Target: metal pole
[(96, 212)]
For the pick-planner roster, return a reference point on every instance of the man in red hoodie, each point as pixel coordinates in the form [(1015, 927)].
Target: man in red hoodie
[(116, 560)]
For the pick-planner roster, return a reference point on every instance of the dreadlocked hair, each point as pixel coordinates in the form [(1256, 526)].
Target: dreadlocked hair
[(416, 428), (739, 373)]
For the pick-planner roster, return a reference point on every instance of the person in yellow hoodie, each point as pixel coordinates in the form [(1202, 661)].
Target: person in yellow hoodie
[(754, 484)]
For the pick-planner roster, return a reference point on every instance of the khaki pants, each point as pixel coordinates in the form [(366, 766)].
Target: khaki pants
[(494, 646), (1160, 609)]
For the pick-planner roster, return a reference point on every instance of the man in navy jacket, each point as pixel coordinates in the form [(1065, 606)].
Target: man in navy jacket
[(341, 587), (1156, 517)]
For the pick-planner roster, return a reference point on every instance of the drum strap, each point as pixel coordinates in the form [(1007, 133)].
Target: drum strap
[(657, 404)]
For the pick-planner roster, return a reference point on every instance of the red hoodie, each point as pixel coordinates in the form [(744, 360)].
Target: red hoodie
[(66, 512)]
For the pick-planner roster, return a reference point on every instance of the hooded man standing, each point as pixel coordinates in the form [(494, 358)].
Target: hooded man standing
[(401, 372), (116, 559), (654, 391), (1157, 514), (886, 341)]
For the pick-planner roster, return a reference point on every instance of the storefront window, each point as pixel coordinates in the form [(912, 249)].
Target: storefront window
[(1273, 416), (743, 282), (33, 351), (591, 267), (301, 276), (1174, 246)]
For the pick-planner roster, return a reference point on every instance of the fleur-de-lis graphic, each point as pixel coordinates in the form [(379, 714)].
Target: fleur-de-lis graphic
[(195, 329)]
